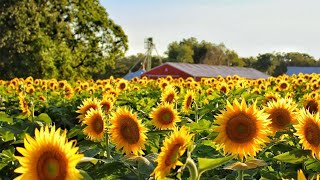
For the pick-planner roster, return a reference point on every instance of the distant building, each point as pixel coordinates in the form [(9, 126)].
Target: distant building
[(198, 71), (132, 75), (305, 70)]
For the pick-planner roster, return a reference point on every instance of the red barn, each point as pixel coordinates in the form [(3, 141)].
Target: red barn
[(198, 71)]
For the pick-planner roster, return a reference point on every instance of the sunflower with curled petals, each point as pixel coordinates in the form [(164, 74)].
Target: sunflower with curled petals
[(95, 124), (312, 104), (164, 116), (308, 131), (242, 130), (127, 132), (173, 148), (24, 105), (48, 156), (169, 95), (188, 100), (281, 113), (107, 105), (86, 105)]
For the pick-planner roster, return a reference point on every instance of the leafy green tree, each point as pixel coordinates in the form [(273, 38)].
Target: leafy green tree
[(265, 63), (192, 51), (57, 39), (299, 59)]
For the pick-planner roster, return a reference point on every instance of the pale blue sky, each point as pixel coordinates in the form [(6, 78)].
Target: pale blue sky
[(249, 27)]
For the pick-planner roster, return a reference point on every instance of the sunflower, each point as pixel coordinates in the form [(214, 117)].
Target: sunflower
[(127, 132), (164, 116), (308, 130), (30, 89), (68, 91), (173, 148), (209, 91), (271, 96), (283, 85), (107, 105), (242, 130), (87, 104), (24, 106), (163, 84), (48, 156), (223, 87), (281, 113), (122, 84), (96, 126), (311, 104), (187, 102), (169, 95)]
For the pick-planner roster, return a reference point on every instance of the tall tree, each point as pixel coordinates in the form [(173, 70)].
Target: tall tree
[(191, 51), (57, 38)]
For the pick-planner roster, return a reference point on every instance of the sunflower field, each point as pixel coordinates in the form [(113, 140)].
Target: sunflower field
[(166, 128)]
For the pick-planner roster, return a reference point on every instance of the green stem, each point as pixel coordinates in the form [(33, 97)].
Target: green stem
[(240, 175), (140, 177), (192, 169), (196, 120), (107, 146)]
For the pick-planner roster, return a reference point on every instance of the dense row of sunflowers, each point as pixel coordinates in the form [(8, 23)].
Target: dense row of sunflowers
[(165, 128)]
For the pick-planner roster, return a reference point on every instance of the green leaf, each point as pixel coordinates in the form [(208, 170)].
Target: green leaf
[(202, 125), (45, 118), (5, 118), (207, 164), (312, 164), (85, 175), (6, 135), (293, 157), (89, 159)]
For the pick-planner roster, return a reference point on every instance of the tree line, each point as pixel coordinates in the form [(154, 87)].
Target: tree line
[(192, 51), (76, 39)]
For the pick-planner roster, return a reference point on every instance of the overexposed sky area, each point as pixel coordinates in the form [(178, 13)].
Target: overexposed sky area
[(249, 27)]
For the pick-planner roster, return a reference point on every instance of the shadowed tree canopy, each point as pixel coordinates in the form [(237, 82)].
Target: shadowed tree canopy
[(64, 39)]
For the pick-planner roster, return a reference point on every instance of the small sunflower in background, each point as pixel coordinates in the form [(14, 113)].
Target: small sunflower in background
[(187, 101), (106, 105), (95, 124), (283, 85), (223, 87), (308, 131), (30, 89), (24, 105), (311, 104), (86, 105), (209, 91), (169, 95), (242, 130), (163, 84), (48, 155), (271, 96), (281, 114), (122, 85), (68, 91), (164, 116), (173, 148), (256, 91), (127, 132)]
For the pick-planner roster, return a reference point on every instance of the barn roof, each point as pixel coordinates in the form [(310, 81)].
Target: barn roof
[(305, 70), (203, 70)]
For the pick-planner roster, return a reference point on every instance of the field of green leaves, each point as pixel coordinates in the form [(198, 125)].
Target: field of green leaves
[(217, 128)]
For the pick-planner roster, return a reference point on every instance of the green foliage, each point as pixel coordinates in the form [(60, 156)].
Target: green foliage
[(192, 51), (57, 39)]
